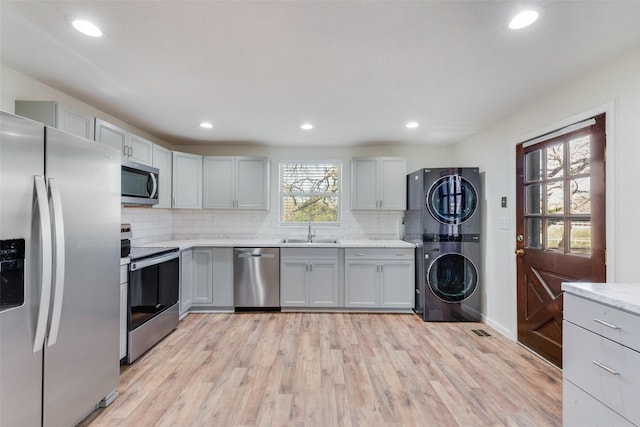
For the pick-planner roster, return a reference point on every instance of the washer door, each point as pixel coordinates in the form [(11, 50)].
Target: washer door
[(452, 200), (453, 277)]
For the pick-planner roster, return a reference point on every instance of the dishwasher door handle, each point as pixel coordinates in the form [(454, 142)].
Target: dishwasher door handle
[(250, 255)]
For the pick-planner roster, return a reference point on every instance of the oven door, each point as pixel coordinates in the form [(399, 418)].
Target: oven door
[(153, 287)]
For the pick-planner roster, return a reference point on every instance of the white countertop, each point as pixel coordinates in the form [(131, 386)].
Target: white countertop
[(625, 296), (266, 243)]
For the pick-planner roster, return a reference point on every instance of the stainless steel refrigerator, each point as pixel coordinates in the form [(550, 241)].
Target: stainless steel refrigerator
[(59, 283)]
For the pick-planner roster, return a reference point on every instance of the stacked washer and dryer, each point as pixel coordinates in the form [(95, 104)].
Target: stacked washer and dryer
[(443, 220)]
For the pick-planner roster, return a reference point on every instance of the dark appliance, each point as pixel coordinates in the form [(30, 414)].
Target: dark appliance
[(152, 297), (139, 184), (443, 220)]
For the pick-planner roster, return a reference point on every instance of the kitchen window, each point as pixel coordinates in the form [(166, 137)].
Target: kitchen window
[(310, 191)]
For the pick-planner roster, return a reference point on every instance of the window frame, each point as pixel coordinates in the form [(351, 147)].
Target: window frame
[(338, 194)]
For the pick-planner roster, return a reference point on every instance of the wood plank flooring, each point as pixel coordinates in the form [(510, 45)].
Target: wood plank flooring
[(333, 369)]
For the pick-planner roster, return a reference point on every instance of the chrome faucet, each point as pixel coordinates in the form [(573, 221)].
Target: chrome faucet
[(309, 235)]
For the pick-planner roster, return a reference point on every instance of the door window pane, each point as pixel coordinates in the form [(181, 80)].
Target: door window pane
[(555, 235), (555, 161), (555, 197), (534, 199), (580, 237), (533, 232), (580, 193), (533, 166), (580, 154)]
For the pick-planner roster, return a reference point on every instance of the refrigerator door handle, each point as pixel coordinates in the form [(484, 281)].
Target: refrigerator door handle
[(47, 258), (58, 283)]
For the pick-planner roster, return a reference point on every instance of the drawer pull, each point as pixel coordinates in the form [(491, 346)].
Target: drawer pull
[(607, 324), (606, 368)]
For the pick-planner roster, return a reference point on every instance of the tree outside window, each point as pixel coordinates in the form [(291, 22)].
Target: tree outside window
[(310, 191)]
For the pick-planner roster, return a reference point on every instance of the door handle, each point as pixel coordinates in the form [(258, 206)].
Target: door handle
[(519, 252), (58, 287), (47, 262)]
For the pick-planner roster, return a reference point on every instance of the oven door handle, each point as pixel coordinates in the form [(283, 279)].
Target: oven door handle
[(137, 265)]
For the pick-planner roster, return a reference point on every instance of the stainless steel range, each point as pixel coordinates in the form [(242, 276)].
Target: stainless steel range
[(154, 280)]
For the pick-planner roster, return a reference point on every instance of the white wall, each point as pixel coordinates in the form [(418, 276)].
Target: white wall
[(17, 86), (614, 87)]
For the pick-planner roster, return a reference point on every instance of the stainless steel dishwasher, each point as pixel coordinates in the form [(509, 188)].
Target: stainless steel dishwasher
[(256, 278)]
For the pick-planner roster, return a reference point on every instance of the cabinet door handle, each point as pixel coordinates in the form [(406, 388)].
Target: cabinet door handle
[(359, 254), (382, 269), (310, 267), (605, 367), (607, 324)]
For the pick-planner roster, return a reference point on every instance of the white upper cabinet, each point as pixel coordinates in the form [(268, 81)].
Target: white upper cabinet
[(236, 182), (57, 115), (132, 147), (187, 181), (378, 183), (112, 135), (140, 150), (162, 161)]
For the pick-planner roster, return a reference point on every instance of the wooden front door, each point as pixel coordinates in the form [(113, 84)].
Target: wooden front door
[(560, 228)]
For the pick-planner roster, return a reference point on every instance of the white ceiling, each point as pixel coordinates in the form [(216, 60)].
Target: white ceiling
[(358, 70)]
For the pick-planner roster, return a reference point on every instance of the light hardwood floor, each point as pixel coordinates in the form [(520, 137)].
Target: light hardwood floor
[(334, 369)]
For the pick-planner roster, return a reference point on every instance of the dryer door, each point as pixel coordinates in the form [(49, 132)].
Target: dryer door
[(452, 200), (453, 277)]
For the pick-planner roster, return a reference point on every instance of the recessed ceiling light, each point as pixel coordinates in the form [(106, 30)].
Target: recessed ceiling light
[(412, 125), (206, 125), (306, 126), (86, 27), (523, 19)]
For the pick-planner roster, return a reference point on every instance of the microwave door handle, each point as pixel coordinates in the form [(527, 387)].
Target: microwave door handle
[(155, 185), (56, 203), (47, 261)]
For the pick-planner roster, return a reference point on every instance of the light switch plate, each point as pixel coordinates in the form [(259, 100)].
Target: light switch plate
[(504, 223)]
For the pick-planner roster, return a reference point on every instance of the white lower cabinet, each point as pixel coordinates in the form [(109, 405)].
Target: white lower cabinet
[(601, 364), (379, 278), (362, 283), (213, 277), (309, 277), (124, 270), (202, 276), (186, 281)]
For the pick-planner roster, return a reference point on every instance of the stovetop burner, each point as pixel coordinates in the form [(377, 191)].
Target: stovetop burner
[(138, 254)]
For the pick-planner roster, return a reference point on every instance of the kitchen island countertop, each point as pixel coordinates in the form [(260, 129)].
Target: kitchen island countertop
[(624, 296)]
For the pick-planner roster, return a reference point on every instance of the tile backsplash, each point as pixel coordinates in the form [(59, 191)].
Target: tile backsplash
[(154, 225)]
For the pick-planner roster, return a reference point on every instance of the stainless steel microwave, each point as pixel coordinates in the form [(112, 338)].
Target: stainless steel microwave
[(139, 184)]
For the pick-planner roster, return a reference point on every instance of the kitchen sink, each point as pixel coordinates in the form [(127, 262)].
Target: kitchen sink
[(314, 242)]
